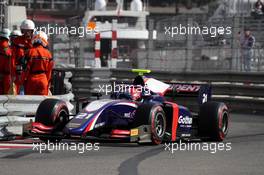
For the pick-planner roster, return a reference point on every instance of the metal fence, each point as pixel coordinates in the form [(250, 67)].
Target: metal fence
[(168, 51), (52, 4), (197, 44), (201, 51)]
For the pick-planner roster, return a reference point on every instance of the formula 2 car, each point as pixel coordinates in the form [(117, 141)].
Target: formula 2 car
[(144, 112)]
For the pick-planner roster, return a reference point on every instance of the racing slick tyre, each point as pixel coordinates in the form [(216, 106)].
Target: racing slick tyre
[(213, 121), (52, 112), (154, 116)]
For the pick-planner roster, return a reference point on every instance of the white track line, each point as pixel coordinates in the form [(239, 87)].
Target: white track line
[(14, 146)]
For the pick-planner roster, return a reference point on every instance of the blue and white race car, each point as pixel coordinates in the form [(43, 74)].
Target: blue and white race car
[(146, 111)]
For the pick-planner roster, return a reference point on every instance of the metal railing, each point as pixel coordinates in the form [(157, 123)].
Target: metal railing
[(44, 4), (242, 92), (16, 110), (192, 52)]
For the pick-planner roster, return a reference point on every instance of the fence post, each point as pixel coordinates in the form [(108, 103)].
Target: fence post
[(189, 51), (150, 41), (52, 4), (234, 62), (97, 52), (79, 59), (114, 45)]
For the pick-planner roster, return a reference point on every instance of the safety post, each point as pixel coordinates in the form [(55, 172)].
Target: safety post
[(114, 45), (97, 52)]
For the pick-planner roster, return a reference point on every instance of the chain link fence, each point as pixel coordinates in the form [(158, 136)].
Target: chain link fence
[(181, 43), (191, 43)]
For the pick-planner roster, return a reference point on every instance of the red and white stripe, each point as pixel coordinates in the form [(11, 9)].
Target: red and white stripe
[(97, 50), (114, 45), (92, 123), (4, 146)]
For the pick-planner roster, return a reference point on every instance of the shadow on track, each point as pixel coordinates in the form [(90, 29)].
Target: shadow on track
[(130, 166)]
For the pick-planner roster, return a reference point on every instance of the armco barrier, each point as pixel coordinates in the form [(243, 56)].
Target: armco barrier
[(20, 105), (18, 109), (241, 91), (3, 100), (242, 104), (85, 81), (238, 77)]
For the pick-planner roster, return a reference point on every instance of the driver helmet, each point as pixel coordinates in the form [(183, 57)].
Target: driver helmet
[(136, 92)]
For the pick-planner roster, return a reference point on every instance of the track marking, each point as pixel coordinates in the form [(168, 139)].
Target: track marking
[(4, 146)]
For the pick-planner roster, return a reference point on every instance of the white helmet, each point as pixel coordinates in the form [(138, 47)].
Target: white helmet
[(27, 25), (5, 33), (40, 37), (16, 33)]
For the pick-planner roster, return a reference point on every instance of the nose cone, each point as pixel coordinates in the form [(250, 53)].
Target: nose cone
[(80, 123), (74, 128)]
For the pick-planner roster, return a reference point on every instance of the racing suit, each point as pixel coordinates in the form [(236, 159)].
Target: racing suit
[(20, 47), (6, 67), (38, 71)]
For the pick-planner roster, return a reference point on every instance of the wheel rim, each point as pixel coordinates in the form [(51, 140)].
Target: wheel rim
[(63, 116), (159, 125), (225, 123)]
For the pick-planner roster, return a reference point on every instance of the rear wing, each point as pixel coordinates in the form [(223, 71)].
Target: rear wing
[(190, 95)]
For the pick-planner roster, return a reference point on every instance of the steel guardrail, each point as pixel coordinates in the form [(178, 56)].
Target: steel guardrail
[(19, 109), (242, 91)]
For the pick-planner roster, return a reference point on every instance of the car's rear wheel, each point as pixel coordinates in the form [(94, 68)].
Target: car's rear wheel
[(213, 121), (52, 112), (154, 116)]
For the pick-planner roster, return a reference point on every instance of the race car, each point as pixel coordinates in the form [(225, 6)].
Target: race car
[(144, 111)]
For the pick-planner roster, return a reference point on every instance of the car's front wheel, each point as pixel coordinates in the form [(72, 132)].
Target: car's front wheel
[(154, 116), (52, 112)]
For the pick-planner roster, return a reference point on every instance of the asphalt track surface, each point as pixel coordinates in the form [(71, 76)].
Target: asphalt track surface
[(246, 136)]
